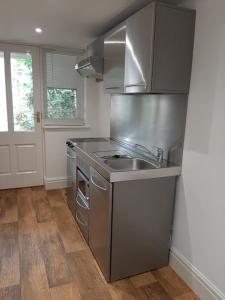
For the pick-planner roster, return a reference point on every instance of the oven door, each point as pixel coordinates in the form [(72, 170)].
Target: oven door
[(71, 178), (83, 185), (82, 215)]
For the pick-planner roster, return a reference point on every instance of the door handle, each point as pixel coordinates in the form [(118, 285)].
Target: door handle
[(38, 116)]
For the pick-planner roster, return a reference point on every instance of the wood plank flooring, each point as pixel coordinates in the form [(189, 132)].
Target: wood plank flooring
[(44, 257)]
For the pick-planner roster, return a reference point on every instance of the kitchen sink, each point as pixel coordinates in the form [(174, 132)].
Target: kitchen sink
[(132, 164), (112, 154)]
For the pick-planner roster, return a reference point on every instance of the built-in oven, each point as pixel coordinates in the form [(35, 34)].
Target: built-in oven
[(83, 185), (82, 198), (71, 177)]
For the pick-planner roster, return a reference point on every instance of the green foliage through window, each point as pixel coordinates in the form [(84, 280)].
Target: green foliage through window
[(22, 89), (62, 103)]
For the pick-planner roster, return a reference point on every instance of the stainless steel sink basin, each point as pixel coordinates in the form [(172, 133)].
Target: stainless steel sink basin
[(129, 164)]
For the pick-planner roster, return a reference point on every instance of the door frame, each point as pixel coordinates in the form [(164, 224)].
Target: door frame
[(37, 70)]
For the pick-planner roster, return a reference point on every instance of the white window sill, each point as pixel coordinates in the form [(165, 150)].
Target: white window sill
[(64, 127)]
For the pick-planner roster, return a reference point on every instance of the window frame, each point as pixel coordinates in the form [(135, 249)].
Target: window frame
[(6, 104), (48, 122)]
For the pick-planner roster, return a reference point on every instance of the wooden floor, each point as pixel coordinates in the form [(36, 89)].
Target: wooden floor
[(43, 256)]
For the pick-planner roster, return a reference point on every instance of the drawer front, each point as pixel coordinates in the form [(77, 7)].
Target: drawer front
[(82, 215)]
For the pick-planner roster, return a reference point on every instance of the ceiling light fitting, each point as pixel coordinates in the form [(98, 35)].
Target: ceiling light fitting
[(38, 30)]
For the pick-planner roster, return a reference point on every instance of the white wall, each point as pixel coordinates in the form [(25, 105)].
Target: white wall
[(199, 227), (97, 118)]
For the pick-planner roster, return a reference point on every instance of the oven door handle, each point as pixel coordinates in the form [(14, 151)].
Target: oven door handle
[(80, 222), (82, 195), (82, 206)]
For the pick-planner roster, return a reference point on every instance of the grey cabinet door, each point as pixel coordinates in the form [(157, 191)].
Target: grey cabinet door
[(141, 225), (139, 50), (100, 221), (114, 59), (151, 52), (173, 47)]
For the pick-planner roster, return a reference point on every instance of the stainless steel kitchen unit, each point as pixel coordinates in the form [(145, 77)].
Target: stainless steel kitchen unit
[(124, 211)]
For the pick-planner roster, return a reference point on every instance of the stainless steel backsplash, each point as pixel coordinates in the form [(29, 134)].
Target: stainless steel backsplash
[(151, 120)]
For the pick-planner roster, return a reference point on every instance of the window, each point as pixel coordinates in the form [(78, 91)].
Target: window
[(16, 90), (22, 91), (62, 103), (64, 91)]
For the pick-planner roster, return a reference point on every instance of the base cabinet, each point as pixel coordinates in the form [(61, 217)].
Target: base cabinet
[(130, 224), (100, 221), (141, 226)]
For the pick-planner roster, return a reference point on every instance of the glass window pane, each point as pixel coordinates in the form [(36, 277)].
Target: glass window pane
[(62, 103), (3, 106), (22, 91)]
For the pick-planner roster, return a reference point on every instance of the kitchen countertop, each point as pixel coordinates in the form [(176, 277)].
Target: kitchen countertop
[(88, 148)]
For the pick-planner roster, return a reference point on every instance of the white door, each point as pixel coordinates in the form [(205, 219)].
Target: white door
[(21, 161)]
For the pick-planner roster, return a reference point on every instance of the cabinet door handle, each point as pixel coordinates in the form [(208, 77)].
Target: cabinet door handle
[(113, 88), (136, 84), (98, 186), (80, 222)]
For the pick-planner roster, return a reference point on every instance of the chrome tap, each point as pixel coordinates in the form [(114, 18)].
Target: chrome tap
[(158, 157), (159, 154)]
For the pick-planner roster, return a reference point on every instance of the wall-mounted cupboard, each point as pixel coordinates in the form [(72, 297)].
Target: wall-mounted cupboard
[(114, 59), (150, 52)]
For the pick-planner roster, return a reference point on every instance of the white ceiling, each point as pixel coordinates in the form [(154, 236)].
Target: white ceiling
[(65, 23)]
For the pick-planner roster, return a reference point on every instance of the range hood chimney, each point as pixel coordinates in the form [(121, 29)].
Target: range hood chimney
[(92, 66)]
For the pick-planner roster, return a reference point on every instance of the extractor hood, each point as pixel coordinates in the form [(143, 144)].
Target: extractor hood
[(90, 67)]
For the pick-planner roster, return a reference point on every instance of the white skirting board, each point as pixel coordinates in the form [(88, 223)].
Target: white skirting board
[(204, 288), (55, 183)]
